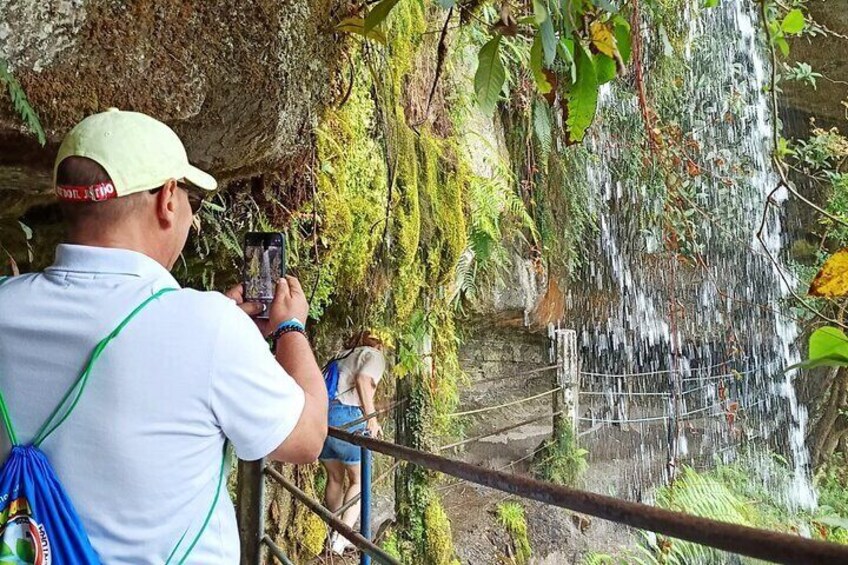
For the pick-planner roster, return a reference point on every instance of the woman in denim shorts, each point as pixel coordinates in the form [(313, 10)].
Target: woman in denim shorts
[(361, 365)]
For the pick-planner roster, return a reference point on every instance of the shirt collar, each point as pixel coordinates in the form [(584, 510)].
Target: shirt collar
[(108, 260)]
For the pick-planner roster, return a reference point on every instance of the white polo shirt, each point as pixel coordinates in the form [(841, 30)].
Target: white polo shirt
[(140, 455)]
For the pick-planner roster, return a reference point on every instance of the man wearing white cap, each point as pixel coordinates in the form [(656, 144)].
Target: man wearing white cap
[(140, 453)]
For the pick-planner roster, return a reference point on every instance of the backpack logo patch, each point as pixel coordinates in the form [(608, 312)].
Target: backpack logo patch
[(23, 541)]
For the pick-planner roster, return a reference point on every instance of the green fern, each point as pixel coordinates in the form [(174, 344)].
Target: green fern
[(706, 496), (542, 129), (21, 103)]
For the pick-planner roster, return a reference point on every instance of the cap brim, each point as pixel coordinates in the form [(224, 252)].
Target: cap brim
[(201, 179)]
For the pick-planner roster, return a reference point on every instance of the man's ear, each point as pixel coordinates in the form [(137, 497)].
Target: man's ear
[(166, 203)]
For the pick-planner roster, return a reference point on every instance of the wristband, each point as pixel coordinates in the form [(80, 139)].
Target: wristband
[(293, 325)]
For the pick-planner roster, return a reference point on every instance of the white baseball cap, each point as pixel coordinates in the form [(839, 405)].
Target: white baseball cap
[(138, 153)]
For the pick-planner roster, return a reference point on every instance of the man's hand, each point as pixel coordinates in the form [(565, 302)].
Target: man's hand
[(289, 302), (236, 294)]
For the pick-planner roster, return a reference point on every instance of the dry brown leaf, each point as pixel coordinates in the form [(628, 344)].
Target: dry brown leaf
[(832, 280)]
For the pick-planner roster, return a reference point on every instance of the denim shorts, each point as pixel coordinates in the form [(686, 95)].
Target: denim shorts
[(336, 449)]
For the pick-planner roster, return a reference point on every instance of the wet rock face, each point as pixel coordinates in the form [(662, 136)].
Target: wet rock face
[(240, 81), (826, 54)]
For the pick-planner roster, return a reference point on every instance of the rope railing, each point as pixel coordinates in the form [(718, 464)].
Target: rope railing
[(752, 542), (621, 393), (623, 421), (693, 372), (506, 405), (530, 374), (499, 431)]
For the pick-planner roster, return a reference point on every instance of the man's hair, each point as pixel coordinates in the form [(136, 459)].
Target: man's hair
[(81, 171)]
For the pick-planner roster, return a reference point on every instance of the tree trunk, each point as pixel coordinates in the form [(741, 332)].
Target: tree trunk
[(830, 425)]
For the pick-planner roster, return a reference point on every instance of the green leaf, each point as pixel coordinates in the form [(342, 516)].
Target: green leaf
[(621, 31), (583, 96), (537, 67), (834, 521), (605, 68), (566, 51), (710, 3), (549, 41), (357, 26), (794, 22), (782, 45), (540, 11), (490, 76), (828, 348), (379, 13)]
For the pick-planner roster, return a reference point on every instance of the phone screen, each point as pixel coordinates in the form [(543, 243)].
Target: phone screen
[(264, 264)]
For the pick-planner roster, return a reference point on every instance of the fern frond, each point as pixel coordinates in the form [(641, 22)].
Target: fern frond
[(542, 129), (21, 103)]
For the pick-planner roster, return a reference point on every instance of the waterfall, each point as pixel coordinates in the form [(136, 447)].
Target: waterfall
[(684, 343)]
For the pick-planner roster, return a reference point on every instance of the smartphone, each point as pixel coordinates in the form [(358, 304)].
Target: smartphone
[(264, 264)]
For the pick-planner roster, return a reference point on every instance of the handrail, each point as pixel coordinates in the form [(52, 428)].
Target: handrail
[(275, 550), (327, 516), (744, 540)]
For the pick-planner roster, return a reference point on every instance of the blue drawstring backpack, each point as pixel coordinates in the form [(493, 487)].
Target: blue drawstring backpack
[(38, 522), (331, 379), (331, 376)]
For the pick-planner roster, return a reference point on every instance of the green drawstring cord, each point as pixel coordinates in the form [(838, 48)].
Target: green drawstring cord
[(79, 385)]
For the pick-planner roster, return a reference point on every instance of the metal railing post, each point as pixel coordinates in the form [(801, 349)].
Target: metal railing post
[(365, 507), (250, 510)]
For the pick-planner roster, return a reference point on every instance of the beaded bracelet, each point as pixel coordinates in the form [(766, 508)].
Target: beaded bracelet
[(287, 327)]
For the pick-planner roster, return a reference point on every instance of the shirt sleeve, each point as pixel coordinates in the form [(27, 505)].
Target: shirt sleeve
[(372, 363), (256, 403)]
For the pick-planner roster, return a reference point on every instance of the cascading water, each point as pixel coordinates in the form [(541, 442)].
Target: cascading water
[(684, 338)]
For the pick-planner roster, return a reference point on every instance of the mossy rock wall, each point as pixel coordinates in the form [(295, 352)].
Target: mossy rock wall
[(241, 82)]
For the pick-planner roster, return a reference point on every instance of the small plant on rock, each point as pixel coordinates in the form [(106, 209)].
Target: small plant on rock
[(511, 517)]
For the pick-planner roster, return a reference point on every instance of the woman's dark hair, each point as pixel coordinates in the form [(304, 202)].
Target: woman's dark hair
[(362, 338)]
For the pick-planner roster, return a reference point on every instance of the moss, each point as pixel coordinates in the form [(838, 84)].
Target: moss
[(391, 545), (511, 517), (438, 530), (306, 531)]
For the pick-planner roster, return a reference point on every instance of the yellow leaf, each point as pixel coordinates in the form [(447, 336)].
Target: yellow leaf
[(832, 280), (603, 39)]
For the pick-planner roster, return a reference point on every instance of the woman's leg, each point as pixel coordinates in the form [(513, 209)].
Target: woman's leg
[(334, 494), (353, 488), (351, 514)]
